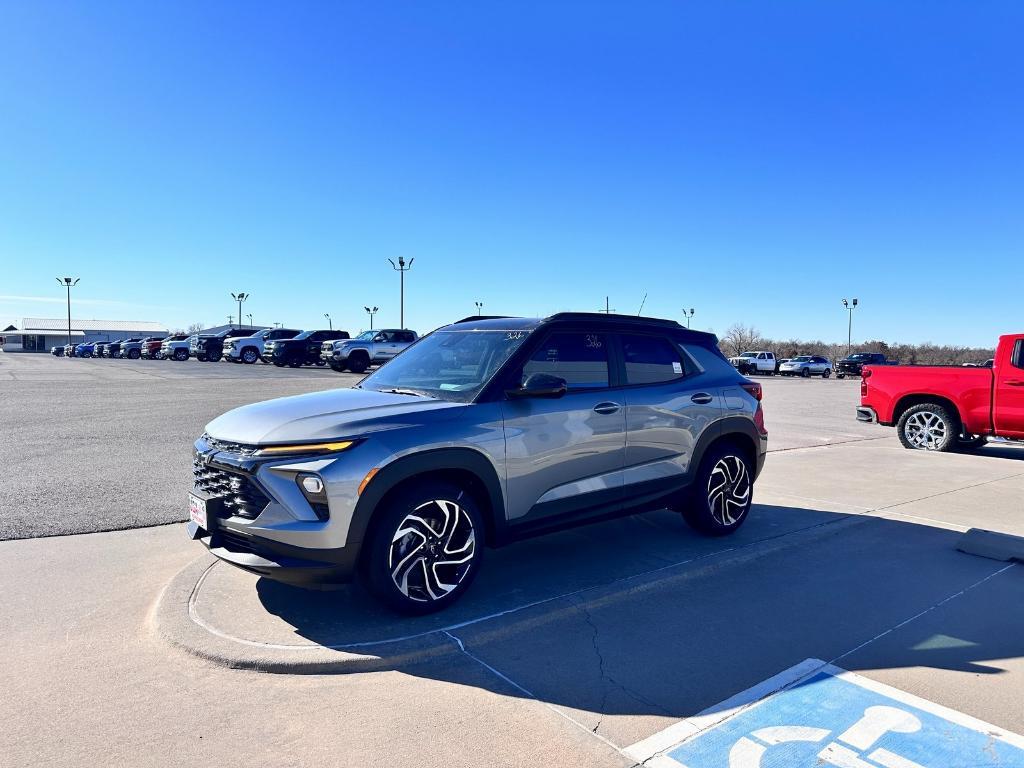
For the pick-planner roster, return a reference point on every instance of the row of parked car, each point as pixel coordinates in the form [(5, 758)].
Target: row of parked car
[(277, 346), (805, 366)]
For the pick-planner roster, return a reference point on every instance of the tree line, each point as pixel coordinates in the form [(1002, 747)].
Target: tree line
[(743, 338)]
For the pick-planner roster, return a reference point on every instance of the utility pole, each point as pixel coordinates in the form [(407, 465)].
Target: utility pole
[(330, 325), (66, 282), (688, 316), (606, 310), (401, 268), (240, 298), (231, 320), (371, 311), (849, 326)]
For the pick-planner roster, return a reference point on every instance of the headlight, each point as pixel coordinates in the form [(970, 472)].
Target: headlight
[(304, 449)]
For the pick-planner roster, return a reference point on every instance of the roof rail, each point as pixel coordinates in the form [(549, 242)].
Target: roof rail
[(471, 318), (617, 318)]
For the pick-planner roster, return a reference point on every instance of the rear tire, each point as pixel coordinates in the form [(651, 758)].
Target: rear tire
[(425, 548), (722, 494), (928, 427)]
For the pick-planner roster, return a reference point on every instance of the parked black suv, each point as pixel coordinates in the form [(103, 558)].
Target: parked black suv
[(852, 365), (210, 346), (303, 349)]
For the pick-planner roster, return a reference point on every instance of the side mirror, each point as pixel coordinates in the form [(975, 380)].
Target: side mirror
[(540, 385)]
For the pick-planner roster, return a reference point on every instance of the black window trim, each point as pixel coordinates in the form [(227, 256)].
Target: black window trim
[(688, 362)]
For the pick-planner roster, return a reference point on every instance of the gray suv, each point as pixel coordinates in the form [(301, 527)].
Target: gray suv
[(483, 432)]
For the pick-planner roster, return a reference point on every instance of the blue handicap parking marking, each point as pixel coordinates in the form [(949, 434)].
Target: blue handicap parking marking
[(835, 718)]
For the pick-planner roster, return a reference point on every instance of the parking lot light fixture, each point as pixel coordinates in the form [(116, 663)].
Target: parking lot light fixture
[(688, 314), (850, 306), (249, 315), (240, 297), (330, 325), (479, 308), (401, 268), (69, 283), (371, 311)]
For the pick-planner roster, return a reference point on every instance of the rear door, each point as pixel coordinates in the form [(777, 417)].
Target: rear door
[(669, 404), (1008, 395), (564, 456)]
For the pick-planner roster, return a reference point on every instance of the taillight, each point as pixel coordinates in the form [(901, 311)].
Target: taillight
[(864, 385), (753, 388)]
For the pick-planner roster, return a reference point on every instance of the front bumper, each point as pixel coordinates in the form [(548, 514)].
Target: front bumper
[(297, 566), (867, 414)]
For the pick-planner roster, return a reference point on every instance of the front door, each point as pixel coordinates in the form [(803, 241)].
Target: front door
[(1008, 400), (564, 456)]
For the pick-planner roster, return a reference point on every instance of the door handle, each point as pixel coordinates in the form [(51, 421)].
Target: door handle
[(702, 398), (1014, 383), (606, 408)]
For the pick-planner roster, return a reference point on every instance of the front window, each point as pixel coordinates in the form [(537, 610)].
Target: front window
[(579, 358), (366, 336), (449, 365)]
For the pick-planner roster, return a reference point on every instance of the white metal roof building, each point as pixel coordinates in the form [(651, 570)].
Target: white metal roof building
[(38, 334)]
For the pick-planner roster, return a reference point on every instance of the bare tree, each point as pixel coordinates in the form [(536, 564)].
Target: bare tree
[(741, 338), (194, 328)]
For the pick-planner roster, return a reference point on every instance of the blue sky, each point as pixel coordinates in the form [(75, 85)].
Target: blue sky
[(756, 161)]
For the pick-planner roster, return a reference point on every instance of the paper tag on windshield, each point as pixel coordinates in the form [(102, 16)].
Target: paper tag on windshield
[(677, 368)]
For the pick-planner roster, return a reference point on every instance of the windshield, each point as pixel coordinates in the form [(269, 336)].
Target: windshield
[(860, 356), (304, 335), (450, 365)]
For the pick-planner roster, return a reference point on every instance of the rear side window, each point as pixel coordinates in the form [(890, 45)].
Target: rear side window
[(406, 337), (651, 359), (579, 358), (1018, 354)]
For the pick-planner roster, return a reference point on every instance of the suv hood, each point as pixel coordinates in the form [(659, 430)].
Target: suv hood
[(319, 416)]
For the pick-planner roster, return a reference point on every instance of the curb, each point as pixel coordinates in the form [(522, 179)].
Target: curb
[(173, 621), (993, 545)]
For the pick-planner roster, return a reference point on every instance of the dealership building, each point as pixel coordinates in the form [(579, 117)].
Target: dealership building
[(39, 334)]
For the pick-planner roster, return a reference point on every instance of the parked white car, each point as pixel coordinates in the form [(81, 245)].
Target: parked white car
[(754, 362), (807, 366), (249, 349)]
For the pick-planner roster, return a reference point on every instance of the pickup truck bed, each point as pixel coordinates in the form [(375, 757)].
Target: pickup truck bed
[(936, 407)]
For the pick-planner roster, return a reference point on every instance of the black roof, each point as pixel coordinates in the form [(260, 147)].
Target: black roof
[(500, 323)]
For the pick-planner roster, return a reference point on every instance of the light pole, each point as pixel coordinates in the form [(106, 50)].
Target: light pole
[(249, 315), (849, 327), (688, 315), (240, 298), (401, 268), (67, 282), (479, 308), (371, 311), (330, 325)]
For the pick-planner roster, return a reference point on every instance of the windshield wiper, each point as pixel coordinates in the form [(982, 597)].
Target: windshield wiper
[(402, 391)]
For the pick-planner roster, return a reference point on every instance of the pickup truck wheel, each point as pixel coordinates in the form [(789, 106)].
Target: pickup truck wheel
[(358, 362), (425, 547), (249, 355), (337, 367), (840, 375), (722, 493), (928, 427), (279, 364), (294, 365), (134, 354), (180, 354)]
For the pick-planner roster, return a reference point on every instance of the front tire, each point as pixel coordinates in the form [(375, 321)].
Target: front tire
[(134, 354), (826, 373), (805, 373), (723, 492), (337, 367), (180, 355), (928, 427), (249, 355), (357, 363), (425, 548)]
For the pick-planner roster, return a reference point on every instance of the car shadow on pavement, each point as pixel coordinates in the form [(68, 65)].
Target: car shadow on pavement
[(610, 635)]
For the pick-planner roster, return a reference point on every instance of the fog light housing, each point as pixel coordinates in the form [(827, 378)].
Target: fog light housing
[(312, 487)]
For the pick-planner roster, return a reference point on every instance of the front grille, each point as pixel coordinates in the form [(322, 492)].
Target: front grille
[(240, 493)]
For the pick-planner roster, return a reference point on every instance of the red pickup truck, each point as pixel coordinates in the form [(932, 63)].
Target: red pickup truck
[(942, 408)]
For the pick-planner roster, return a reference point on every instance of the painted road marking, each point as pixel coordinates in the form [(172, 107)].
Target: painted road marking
[(816, 714)]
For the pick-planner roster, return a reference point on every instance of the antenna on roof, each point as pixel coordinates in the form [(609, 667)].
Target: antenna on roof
[(641, 306)]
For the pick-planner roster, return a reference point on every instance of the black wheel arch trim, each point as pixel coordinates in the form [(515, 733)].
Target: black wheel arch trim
[(425, 463)]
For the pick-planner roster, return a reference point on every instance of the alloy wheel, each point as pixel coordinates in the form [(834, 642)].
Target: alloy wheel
[(728, 490), (925, 430), (432, 550)]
